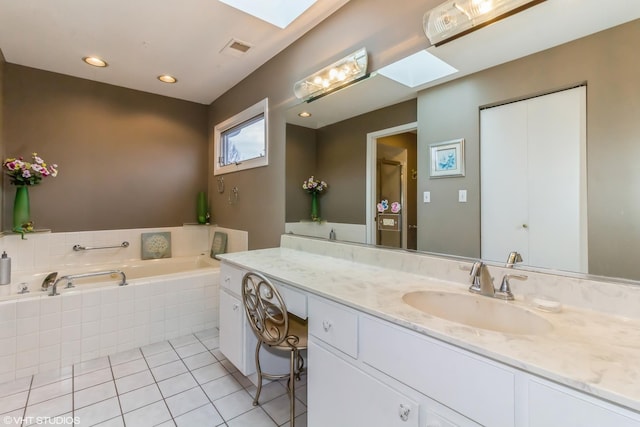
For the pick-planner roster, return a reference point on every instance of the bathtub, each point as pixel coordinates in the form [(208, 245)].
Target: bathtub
[(163, 299), (135, 270)]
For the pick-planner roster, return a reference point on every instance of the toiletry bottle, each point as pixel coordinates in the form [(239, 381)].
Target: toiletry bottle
[(5, 269), (332, 235)]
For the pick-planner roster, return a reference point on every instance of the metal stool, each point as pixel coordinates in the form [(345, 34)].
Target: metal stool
[(276, 328)]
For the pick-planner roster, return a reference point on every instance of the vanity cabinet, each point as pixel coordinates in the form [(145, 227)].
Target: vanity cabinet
[(339, 394), (550, 404), (367, 371), (473, 386), (237, 339), (345, 391)]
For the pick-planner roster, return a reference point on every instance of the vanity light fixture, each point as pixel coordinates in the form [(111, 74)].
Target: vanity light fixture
[(346, 71), (166, 78), (95, 61), (456, 18)]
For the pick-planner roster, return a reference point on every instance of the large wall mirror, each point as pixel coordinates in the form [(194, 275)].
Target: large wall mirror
[(334, 144)]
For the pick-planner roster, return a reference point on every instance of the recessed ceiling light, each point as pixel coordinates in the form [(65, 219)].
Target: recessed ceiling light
[(166, 78), (95, 61), (304, 114)]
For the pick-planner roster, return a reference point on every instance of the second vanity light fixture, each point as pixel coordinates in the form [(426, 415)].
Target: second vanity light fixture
[(341, 73), (456, 18)]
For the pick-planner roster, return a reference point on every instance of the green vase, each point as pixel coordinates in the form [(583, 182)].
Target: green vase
[(21, 211), (201, 208), (315, 212)]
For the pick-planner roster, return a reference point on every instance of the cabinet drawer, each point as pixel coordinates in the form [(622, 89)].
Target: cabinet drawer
[(474, 387), (231, 278), (296, 301), (550, 404), (334, 324)]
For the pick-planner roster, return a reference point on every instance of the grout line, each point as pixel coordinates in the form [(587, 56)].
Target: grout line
[(26, 403), (115, 385), (196, 380), (164, 400), (73, 394)]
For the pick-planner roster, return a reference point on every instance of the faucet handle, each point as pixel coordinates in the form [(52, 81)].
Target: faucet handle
[(505, 288), (513, 258)]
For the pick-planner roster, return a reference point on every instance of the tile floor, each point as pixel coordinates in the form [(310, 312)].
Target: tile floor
[(180, 382)]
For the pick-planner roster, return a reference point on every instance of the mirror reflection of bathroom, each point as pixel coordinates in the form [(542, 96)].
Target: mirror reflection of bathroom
[(396, 158)]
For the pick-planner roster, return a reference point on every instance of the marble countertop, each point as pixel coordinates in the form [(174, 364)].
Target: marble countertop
[(589, 351)]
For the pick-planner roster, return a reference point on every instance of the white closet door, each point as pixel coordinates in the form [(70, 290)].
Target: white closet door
[(503, 164), (537, 203), (557, 207)]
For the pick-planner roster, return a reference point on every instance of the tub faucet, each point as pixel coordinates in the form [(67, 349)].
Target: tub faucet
[(481, 280), (49, 280)]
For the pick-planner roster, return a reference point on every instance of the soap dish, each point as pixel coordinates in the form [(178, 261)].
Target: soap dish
[(545, 304)]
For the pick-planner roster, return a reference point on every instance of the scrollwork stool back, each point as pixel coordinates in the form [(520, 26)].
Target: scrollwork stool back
[(274, 327)]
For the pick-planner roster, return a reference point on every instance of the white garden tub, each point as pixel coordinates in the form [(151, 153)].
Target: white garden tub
[(163, 299), (134, 270)]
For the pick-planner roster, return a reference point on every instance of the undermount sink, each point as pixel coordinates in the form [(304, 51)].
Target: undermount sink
[(478, 311)]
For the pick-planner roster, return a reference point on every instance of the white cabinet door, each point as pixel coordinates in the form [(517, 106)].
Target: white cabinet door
[(552, 405), (232, 323), (340, 395), (533, 181)]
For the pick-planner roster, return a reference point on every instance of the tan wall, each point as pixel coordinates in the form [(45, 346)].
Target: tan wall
[(396, 33), (609, 63), (127, 159), (301, 163), (342, 158)]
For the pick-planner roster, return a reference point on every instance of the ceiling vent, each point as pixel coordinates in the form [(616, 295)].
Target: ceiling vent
[(236, 48)]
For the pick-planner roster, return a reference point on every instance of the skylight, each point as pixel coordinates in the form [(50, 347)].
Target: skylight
[(417, 69), (280, 13)]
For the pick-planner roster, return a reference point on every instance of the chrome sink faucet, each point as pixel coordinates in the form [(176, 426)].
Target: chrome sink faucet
[(482, 282)]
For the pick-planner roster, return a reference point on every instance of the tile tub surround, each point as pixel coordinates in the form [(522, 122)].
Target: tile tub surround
[(41, 333), (592, 351), (184, 381), (46, 252)]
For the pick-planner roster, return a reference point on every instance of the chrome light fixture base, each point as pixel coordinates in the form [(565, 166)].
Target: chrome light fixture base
[(341, 73), (456, 18)]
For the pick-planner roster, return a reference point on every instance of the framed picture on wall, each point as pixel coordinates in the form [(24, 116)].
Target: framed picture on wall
[(447, 159)]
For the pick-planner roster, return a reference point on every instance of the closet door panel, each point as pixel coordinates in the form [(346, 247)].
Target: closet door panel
[(503, 166)]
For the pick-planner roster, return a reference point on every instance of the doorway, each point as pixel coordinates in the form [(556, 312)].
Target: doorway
[(392, 176)]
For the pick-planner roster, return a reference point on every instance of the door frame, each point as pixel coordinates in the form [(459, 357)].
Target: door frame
[(372, 158)]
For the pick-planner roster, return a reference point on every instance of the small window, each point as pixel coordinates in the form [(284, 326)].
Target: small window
[(241, 141)]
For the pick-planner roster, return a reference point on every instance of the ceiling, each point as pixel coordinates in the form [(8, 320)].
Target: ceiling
[(541, 27), (142, 39)]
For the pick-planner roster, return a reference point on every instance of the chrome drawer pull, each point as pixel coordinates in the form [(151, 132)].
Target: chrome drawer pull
[(326, 325), (404, 411)]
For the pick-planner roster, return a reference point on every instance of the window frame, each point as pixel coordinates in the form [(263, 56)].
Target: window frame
[(261, 108)]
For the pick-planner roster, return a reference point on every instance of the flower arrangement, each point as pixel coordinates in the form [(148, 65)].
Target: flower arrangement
[(21, 172), (313, 185), (383, 206)]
